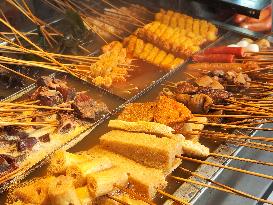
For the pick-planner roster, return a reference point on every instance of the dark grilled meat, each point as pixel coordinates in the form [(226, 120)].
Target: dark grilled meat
[(49, 97), (88, 108), (184, 87), (200, 103), (216, 94), (7, 163)]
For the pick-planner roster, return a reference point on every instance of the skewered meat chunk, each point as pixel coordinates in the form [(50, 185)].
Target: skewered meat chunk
[(184, 87), (207, 81), (216, 94), (88, 108), (170, 39), (48, 97), (200, 103), (197, 26), (7, 163), (137, 48)]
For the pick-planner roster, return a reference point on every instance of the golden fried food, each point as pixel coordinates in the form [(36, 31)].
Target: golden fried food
[(175, 40), (196, 26), (137, 48), (138, 112), (168, 111)]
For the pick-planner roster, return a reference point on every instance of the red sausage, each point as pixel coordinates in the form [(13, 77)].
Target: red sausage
[(237, 51), (213, 58), (263, 15)]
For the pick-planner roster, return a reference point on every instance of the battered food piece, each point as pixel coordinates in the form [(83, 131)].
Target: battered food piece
[(182, 21), (138, 112), (144, 180), (194, 149), (191, 130), (143, 126), (144, 148), (62, 160), (79, 171), (137, 48), (61, 191), (35, 192), (103, 182), (168, 111), (84, 195)]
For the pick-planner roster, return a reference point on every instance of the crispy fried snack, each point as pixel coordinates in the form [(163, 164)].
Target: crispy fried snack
[(182, 21), (137, 48), (175, 40), (169, 111), (138, 112)]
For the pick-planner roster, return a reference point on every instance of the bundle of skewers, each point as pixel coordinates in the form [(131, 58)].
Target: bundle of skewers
[(52, 116), (134, 161)]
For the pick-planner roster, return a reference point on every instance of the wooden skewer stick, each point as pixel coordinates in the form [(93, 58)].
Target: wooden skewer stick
[(117, 200), (226, 126), (2, 123), (241, 159), (133, 194), (17, 73), (225, 188), (231, 116), (226, 167), (225, 135), (176, 199), (35, 106)]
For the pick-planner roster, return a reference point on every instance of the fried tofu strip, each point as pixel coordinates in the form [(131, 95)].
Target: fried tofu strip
[(144, 180), (174, 40), (101, 183), (61, 191), (79, 171), (84, 195), (190, 148), (143, 126), (62, 160), (137, 48), (190, 130), (197, 26), (146, 149)]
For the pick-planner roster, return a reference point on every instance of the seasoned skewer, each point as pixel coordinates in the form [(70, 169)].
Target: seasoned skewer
[(34, 106), (226, 167)]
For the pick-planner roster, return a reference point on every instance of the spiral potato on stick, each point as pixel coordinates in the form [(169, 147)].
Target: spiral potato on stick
[(174, 40), (137, 48)]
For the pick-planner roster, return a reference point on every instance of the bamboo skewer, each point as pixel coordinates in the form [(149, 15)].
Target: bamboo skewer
[(174, 198), (224, 188), (241, 159), (17, 73), (227, 126), (133, 194), (226, 167), (225, 135), (34, 106), (117, 199)]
